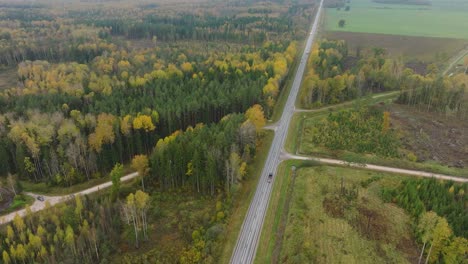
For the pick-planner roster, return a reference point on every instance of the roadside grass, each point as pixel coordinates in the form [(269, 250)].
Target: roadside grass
[(243, 198), (299, 143), (314, 236), (42, 188), (20, 201), (370, 17), (277, 208)]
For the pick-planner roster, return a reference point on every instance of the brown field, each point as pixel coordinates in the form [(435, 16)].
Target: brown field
[(432, 136), (411, 48)]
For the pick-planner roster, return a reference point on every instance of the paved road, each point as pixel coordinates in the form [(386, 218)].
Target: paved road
[(249, 235), (285, 156), (53, 200)]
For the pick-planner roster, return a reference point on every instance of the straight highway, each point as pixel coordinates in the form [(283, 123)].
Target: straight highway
[(247, 242)]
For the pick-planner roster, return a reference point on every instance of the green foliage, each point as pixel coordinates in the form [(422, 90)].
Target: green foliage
[(19, 201), (324, 226), (184, 159), (111, 116), (440, 94), (57, 233), (115, 175), (446, 198), (358, 130)]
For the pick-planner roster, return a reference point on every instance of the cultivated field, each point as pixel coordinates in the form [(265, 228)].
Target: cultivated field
[(411, 48), (444, 18), (337, 216)]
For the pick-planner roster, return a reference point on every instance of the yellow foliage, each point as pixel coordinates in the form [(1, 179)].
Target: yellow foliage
[(172, 71), (140, 164), (280, 66), (271, 88), (256, 116), (104, 132), (186, 67), (159, 74), (123, 65), (143, 122), (126, 125)]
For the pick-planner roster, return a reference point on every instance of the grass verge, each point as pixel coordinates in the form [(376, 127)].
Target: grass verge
[(277, 210), (243, 198), (20, 201)]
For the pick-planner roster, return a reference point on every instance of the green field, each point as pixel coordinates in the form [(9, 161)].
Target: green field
[(444, 18), (324, 226)]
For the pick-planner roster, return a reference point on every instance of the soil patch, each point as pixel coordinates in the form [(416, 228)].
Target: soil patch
[(371, 224), (425, 49), (409, 247), (432, 136), (418, 67), (334, 206)]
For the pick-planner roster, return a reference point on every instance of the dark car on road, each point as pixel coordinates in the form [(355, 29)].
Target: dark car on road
[(40, 198), (270, 176)]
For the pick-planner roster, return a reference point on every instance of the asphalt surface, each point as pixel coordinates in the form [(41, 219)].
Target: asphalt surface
[(249, 235), (53, 200)]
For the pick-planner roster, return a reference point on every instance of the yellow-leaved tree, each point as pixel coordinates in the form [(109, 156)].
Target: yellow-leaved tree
[(141, 165), (256, 116)]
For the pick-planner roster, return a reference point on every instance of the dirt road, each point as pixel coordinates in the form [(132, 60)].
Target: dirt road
[(53, 200), (286, 156)]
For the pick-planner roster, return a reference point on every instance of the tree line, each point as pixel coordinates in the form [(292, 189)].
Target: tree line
[(331, 79), (439, 208)]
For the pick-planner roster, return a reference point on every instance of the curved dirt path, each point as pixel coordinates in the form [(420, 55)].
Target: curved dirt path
[(286, 156), (53, 200)]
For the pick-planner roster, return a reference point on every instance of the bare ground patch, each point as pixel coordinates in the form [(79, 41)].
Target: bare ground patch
[(432, 136), (425, 49)]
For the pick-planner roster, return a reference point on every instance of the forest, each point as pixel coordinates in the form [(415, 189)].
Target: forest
[(86, 229), (62, 119), (175, 91), (439, 209), (335, 76)]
